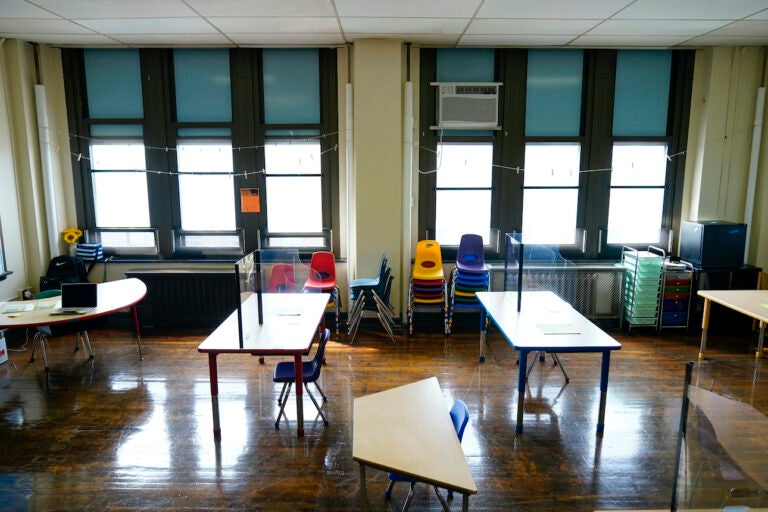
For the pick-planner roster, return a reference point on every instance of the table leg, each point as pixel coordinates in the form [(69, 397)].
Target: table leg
[(603, 391), (465, 502), (521, 389), (299, 394), (214, 377), (483, 331), (363, 488), (760, 340), (704, 327), (137, 326)]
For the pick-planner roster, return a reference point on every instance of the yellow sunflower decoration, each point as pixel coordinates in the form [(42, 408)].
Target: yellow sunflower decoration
[(71, 235)]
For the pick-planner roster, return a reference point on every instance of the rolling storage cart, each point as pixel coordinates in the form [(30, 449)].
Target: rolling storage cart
[(676, 295), (642, 288)]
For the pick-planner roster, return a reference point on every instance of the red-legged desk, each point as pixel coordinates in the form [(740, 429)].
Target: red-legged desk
[(545, 323), (290, 324), (753, 303), (112, 296), (408, 430)]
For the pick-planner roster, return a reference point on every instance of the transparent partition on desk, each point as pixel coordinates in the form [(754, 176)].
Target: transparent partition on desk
[(534, 267), (264, 271), (722, 449)]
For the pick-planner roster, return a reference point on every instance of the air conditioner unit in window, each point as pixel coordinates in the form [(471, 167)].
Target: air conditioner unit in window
[(467, 106)]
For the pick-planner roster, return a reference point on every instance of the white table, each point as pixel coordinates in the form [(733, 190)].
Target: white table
[(753, 303), (112, 296), (289, 327), (408, 430), (549, 324)]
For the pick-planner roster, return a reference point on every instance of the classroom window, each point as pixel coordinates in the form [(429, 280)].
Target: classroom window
[(463, 193), (294, 200), (637, 193), (204, 128), (550, 195)]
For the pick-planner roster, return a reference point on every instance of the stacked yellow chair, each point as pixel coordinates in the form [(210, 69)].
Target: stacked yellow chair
[(427, 288)]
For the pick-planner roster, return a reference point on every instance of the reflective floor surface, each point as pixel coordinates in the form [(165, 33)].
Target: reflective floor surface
[(117, 433)]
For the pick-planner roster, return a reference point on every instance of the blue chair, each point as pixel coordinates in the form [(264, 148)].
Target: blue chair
[(460, 418), (285, 373), (470, 276)]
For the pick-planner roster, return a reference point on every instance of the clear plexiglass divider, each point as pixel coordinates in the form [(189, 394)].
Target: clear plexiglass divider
[(722, 446)]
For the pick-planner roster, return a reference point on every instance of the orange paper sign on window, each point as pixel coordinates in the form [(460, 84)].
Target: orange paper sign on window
[(250, 201)]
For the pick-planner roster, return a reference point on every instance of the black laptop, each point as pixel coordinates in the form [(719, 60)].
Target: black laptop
[(77, 299)]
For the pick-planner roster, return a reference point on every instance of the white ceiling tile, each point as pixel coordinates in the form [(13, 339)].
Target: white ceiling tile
[(417, 39), (117, 8), (288, 39), (691, 9), (407, 8), (743, 28), (174, 39), (557, 9), (515, 40), (67, 39), (262, 7), (149, 26), (655, 27), (30, 26), (22, 9), (530, 26), (404, 25), (706, 41), (630, 41), (277, 25)]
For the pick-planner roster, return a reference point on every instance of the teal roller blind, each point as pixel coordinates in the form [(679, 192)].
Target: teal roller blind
[(203, 92), (113, 83), (465, 65), (291, 86), (553, 92), (642, 92)]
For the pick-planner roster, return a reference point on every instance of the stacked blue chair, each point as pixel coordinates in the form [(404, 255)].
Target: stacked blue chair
[(427, 287), (470, 276), (372, 294)]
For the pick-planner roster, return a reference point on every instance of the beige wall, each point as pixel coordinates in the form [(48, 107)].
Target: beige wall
[(725, 87)]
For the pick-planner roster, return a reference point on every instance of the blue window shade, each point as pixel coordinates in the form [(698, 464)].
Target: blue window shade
[(465, 65), (116, 130), (553, 93), (203, 91), (641, 98), (191, 133), (291, 86), (113, 82)]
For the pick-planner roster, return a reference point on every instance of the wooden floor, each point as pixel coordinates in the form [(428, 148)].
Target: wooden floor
[(122, 434)]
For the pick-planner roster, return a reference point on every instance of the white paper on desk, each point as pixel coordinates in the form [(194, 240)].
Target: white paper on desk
[(557, 329), (18, 308)]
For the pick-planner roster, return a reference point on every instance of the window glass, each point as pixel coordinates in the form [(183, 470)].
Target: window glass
[(550, 196), (206, 201), (637, 193), (113, 80), (641, 98), (553, 94), (291, 86), (463, 194), (120, 198), (201, 78), (294, 193)]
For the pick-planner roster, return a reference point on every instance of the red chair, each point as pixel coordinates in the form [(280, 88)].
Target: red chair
[(282, 278), (322, 278)]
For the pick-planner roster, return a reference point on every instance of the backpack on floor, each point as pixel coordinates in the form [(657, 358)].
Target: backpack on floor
[(63, 269)]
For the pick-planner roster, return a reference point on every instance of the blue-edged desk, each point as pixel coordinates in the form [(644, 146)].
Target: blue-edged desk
[(545, 323), (290, 324)]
